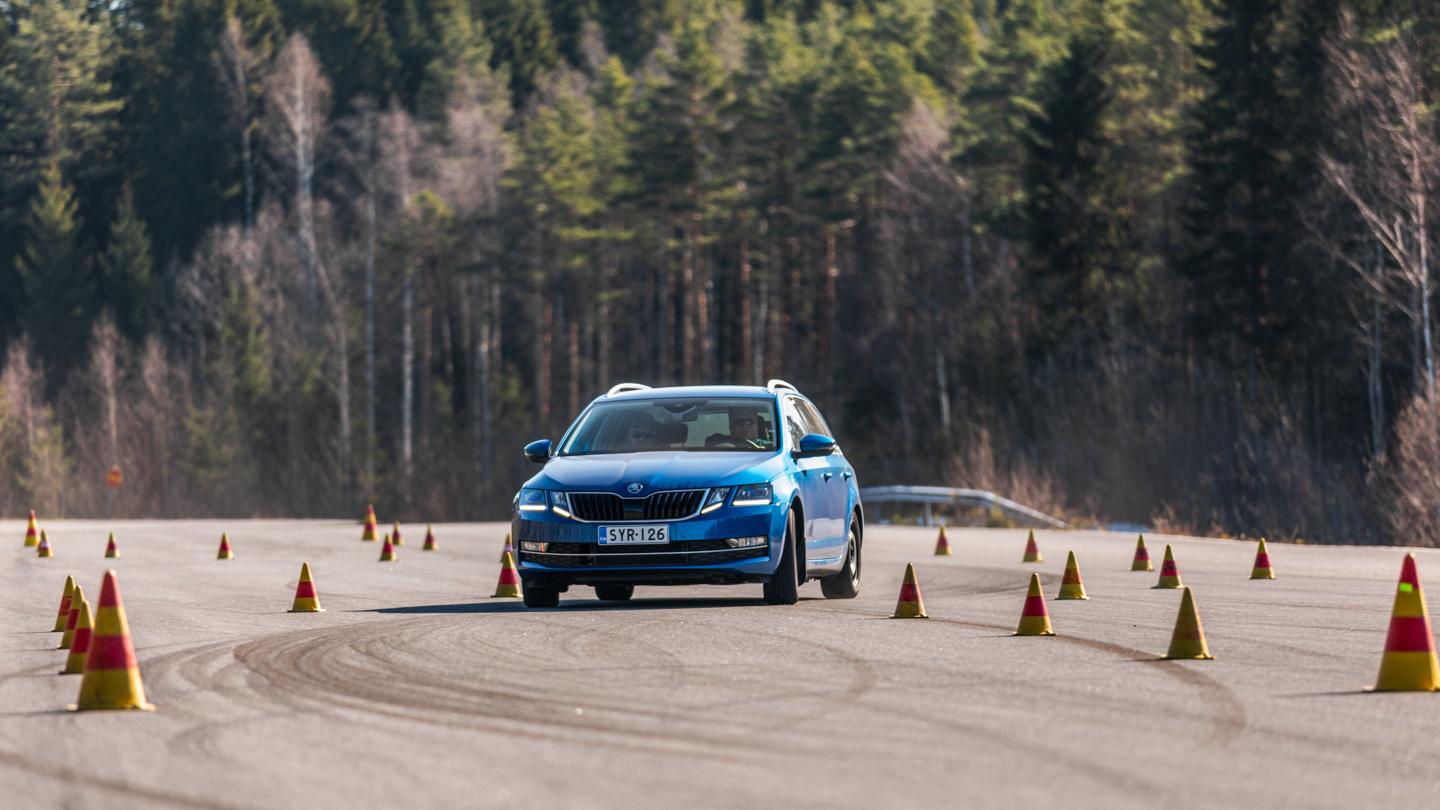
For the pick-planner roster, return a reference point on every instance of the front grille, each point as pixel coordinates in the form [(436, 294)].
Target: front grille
[(685, 552), (670, 505), (589, 506)]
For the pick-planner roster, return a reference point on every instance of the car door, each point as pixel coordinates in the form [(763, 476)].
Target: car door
[(814, 488), (833, 475)]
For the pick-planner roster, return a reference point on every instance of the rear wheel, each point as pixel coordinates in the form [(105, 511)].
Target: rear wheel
[(538, 597), (846, 584), (614, 593), (784, 587)]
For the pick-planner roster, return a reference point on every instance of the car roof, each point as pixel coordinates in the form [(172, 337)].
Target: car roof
[(747, 391)]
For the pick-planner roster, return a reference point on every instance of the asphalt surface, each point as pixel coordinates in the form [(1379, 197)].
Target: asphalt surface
[(416, 689)]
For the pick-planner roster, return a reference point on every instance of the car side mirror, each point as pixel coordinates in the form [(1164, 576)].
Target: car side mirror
[(813, 444), (538, 451)]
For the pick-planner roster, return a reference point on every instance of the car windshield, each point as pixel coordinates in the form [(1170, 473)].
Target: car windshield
[(701, 423)]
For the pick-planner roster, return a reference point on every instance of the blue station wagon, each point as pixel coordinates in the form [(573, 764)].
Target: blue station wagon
[(700, 484)]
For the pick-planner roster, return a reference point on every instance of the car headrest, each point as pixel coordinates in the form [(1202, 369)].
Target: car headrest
[(672, 432)]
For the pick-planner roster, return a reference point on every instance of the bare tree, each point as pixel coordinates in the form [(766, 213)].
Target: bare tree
[(297, 97), (1391, 164), (238, 67)]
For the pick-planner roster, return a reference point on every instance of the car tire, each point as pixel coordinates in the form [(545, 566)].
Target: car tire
[(614, 593), (537, 597), (784, 587), (846, 584)]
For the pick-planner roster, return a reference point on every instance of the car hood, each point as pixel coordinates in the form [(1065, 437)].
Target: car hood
[(657, 471)]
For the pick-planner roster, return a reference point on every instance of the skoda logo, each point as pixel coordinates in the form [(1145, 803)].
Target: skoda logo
[(635, 489)]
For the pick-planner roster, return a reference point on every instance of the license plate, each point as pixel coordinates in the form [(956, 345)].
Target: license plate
[(634, 535)]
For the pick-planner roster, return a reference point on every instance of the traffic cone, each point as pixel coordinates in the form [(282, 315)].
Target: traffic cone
[(32, 532), (76, 597), (1071, 585), (911, 604), (1034, 617), (112, 678), (1262, 569), (370, 533), (429, 539), (508, 549), (1408, 663), (225, 553), (1188, 640), (111, 551), (387, 551), (44, 550), (1169, 573), (80, 645), (395, 537), (1032, 551), (1142, 557), (509, 584), (64, 614), (942, 545), (307, 600)]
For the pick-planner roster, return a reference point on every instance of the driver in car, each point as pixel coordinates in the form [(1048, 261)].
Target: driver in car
[(744, 430)]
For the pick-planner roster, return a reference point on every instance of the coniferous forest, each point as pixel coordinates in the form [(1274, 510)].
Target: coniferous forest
[(1164, 261)]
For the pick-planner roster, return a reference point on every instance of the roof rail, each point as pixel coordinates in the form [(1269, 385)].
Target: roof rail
[(774, 384), (623, 387)]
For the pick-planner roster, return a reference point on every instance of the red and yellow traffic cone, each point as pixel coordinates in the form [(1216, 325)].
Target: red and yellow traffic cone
[(509, 584), (80, 645), (370, 534), (1071, 585), (1262, 569), (64, 615), (1034, 616), (387, 551), (32, 532), (44, 550), (1142, 557), (942, 545), (429, 539), (225, 553), (910, 605), (1032, 550), (307, 599), (1188, 640), (1169, 572), (1408, 663), (507, 549), (73, 615), (111, 550), (112, 677), (395, 537)]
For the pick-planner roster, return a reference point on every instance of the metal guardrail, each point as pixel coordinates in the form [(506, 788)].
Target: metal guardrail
[(950, 496)]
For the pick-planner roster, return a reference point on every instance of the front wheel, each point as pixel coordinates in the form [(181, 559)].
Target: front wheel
[(784, 587), (846, 584), (614, 593), (538, 597)]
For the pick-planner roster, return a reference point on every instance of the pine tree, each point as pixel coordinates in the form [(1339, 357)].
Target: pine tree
[(128, 280), (57, 108), (54, 271), (1239, 217), (1079, 227)]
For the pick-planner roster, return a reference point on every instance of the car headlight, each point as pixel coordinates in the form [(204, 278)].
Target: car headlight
[(753, 495), (532, 500), (560, 504), (534, 545), (716, 499), (746, 542)]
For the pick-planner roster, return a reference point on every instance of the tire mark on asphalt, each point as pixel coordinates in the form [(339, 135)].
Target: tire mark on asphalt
[(67, 775)]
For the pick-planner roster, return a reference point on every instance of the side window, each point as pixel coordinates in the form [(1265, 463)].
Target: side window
[(794, 422), (813, 421)]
